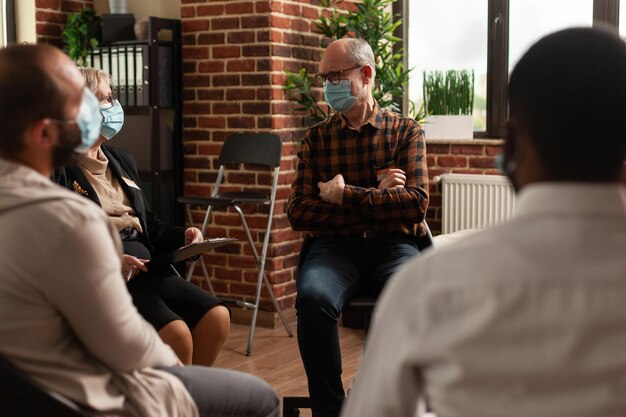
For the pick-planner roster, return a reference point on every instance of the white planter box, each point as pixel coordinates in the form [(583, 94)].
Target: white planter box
[(449, 127)]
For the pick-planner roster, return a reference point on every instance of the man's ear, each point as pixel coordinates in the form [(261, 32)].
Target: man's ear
[(367, 74), (41, 134)]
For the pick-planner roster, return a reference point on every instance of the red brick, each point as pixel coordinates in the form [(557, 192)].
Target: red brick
[(225, 23), (279, 79), (451, 161), (239, 8), (210, 10), (215, 94), (51, 17), (493, 149), (212, 122), (276, 36), (240, 94), (48, 4), (310, 12), (71, 6), (302, 53), (192, 1), (241, 122), (281, 50), (195, 25), (292, 9), (281, 22), (189, 122), (282, 108), (225, 80), (197, 108), (263, 65), (196, 162), (190, 52), (301, 25), (438, 149), (467, 149), (188, 39), (241, 37), (225, 51), (241, 65), (262, 7), (187, 11), (256, 108), (482, 163), (226, 108), (241, 178), (256, 50), (292, 38), (255, 21), (48, 29), (255, 79), (211, 66), (211, 39), (311, 40), (195, 135), (210, 149), (263, 36)]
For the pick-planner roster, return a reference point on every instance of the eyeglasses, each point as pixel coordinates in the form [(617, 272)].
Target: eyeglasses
[(334, 77)]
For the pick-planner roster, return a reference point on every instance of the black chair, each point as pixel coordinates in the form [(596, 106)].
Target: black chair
[(359, 309), (262, 149), (21, 396)]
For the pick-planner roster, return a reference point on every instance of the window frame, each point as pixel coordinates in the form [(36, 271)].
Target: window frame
[(605, 12)]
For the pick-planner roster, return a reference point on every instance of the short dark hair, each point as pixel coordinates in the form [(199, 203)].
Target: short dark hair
[(568, 94), (29, 92)]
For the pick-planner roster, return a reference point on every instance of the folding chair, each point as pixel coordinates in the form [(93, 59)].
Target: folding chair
[(248, 148)]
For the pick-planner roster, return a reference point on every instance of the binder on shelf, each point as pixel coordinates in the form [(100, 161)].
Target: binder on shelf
[(142, 75), (123, 80), (106, 60), (132, 81), (115, 73)]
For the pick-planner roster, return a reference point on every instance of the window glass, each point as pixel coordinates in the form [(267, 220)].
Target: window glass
[(622, 18), (449, 34), (532, 19)]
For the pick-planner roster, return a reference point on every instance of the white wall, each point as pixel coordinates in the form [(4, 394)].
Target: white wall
[(25, 21)]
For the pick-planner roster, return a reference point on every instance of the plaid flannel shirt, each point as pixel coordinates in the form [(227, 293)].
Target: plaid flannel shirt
[(387, 140)]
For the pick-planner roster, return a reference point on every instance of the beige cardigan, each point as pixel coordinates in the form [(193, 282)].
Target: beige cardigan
[(66, 317)]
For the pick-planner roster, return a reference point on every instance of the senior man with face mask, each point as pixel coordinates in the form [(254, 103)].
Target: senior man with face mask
[(361, 194)]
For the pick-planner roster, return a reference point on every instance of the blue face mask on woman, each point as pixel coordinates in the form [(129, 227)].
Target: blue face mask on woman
[(113, 119), (339, 96)]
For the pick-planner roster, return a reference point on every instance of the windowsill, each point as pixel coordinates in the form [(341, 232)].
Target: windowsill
[(477, 141)]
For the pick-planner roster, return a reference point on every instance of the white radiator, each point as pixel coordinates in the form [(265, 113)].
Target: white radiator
[(474, 201)]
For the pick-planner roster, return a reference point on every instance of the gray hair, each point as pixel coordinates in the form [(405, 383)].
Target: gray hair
[(360, 53)]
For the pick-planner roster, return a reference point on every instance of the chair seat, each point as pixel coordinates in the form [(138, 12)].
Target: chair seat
[(227, 199)]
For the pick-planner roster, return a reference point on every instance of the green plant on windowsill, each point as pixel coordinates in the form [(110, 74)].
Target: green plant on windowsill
[(372, 22), (81, 35), (449, 93)]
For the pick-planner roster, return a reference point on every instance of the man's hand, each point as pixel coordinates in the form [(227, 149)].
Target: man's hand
[(394, 177), (193, 235), (332, 191)]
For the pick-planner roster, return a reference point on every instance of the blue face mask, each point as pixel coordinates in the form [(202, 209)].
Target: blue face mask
[(339, 96), (113, 119), (88, 121)]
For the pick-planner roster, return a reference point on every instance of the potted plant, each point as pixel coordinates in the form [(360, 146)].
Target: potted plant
[(81, 35), (449, 102)]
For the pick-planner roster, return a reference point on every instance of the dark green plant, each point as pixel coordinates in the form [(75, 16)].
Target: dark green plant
[(372, 22), (449, 93), (81, 35)]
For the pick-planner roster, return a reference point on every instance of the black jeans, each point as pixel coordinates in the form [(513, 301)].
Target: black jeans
[(334, 271)]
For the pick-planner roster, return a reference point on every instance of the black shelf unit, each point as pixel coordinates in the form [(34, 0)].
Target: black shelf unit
[(148, 82)]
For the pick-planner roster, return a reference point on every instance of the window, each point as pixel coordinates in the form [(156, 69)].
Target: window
[(489, 36)]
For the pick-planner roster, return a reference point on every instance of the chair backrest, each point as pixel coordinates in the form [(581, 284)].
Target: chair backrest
[(22, 396), (251, 148)]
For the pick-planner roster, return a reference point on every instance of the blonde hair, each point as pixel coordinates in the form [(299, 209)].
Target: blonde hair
[(94, 78)]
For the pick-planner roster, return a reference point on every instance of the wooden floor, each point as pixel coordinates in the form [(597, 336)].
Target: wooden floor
[(276, 359)]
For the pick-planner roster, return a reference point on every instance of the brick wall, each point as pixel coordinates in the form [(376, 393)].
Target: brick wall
[(234, 57), (51, 16)]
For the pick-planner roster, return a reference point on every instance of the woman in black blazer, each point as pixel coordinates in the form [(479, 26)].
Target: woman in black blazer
[(194, 323)]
